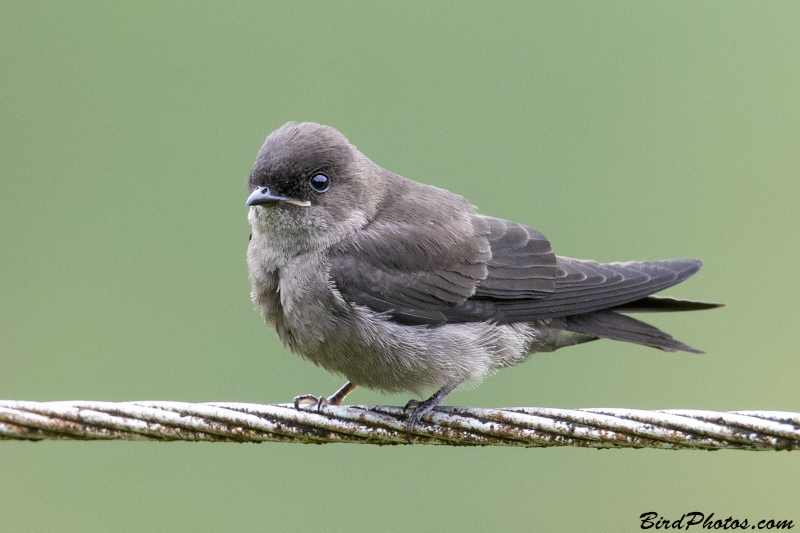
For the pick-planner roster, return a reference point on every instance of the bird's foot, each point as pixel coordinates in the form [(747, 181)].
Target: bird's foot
[(334, 399), (310, 399), (420, 408), (417, 410)]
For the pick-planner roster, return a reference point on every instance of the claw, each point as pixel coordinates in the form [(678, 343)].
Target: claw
[(411, 404), (420, 408), (417, 410), (309, 399)]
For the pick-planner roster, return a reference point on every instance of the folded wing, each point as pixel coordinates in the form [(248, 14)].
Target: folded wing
[(497, 270)]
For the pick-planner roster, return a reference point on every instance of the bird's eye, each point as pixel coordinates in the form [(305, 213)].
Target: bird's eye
[(320, 182)]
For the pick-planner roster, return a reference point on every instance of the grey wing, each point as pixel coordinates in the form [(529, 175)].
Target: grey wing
[(411, 273), (583, 287), (418, 282), (586, 286), (522, 263), (501, 271)]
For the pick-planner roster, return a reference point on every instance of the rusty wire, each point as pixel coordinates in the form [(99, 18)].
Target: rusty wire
[(454, 426)]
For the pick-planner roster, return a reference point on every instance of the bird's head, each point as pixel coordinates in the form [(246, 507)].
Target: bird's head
[(309, 182)]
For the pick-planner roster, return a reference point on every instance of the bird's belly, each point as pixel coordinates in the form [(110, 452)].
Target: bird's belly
[(372, 351), (315, 322)]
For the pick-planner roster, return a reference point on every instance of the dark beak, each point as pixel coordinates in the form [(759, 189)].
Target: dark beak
[(262, 196)]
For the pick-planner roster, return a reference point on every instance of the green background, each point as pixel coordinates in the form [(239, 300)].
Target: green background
[(621, 131)]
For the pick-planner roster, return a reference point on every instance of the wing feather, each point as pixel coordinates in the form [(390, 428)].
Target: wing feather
[(483, 268), (586, 286)]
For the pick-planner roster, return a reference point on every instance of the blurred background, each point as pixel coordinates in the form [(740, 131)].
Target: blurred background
[(622, 131)]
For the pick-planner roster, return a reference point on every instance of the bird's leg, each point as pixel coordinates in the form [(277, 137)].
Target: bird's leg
[(337, 397), (420, 408), (334, 399)]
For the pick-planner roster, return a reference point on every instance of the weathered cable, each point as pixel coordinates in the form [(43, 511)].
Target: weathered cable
[(454, 426)]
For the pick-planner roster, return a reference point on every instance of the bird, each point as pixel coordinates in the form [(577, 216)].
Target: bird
[(399, 286)]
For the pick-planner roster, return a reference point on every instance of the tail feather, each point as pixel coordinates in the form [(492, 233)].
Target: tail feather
[(661, 304), (612, 325)]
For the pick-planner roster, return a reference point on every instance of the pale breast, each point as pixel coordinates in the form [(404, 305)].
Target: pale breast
[(297, 298)]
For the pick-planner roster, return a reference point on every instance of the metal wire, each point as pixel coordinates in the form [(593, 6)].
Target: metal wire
[(378, 424)]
